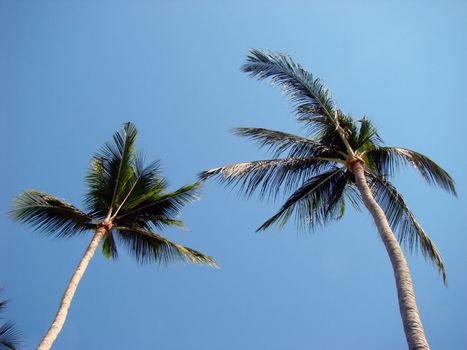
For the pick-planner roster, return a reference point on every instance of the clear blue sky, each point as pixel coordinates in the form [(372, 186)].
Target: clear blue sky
[(72, 72)]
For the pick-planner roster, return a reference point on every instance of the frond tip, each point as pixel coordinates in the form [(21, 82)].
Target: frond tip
[(389, 159), (309, 95), (149, 247)]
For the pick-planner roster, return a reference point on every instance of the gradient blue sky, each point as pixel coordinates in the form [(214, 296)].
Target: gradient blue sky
[(72, 72)]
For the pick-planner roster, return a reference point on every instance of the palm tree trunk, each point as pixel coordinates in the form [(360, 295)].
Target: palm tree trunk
[(407, 305), (65, 303)]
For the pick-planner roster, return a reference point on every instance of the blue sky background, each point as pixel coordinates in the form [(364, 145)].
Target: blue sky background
[(72, 72)]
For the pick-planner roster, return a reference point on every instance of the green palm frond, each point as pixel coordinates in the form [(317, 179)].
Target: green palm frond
[(149, 247), (319, 200), (309, 95), (99, 195), (280, 142), (402, 221), (349, 129), (352, 194), (9, 336), (319, 127), (268, 176), (3, 304), (324, 130), (368, 137), (165, 221), (111, 169), (161, 209), (146, 183), (109, 248), (50, 214), (388, 159)]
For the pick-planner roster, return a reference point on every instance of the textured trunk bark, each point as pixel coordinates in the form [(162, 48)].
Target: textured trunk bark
[(407, 305), (65, 303)]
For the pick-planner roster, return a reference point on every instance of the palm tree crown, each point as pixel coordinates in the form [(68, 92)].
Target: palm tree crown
[(317, 168), (124, 195)]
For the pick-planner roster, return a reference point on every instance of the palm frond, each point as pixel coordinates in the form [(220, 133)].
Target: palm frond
[(111, 169), (109, 248), (99, 194), (280, 142), (309, 95), (324, 130), (352, 194), (161, 209), (388, 159), (146, 183), (49, 214), (3, 304), (9, 336), (269, 176), (402, 221), (149, 247), (368, 137), (165, 221), (319, 200)]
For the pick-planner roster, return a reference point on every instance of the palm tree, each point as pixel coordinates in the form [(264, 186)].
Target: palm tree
[(9, 335), (125, 202), (340, 160)]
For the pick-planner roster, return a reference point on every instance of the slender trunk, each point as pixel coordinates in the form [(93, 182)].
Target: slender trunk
[(407, 305), (65, 303)]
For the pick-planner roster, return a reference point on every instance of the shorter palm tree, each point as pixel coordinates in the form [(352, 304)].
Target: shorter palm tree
[(125, 201)]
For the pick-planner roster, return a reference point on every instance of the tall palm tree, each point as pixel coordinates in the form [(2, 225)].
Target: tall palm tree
[(340, 160), (125, 202), (9, 334)]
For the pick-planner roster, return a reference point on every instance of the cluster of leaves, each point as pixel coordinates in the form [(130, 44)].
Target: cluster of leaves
[(124, 192)]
